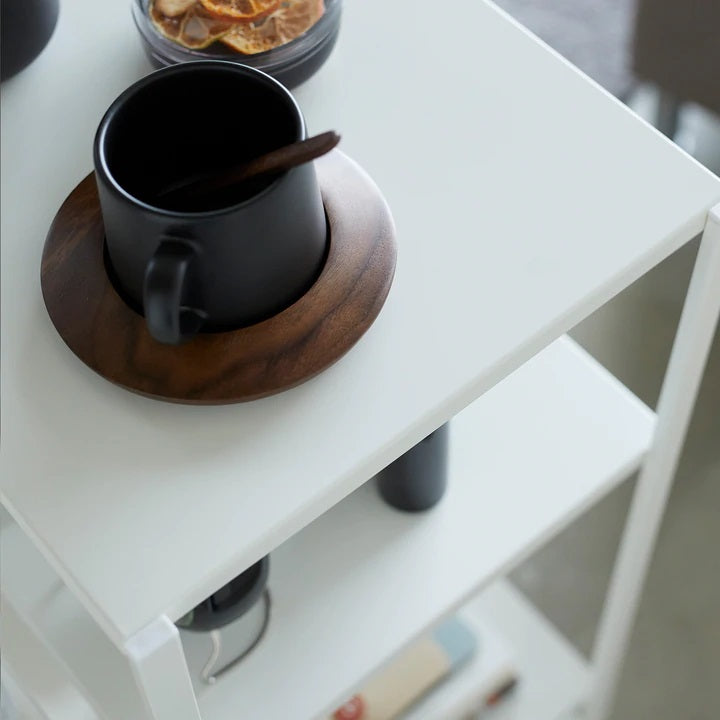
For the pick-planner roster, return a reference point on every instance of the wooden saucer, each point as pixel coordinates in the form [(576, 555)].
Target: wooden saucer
[(245, 364)]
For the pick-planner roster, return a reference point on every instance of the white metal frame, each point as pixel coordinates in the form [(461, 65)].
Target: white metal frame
[(161, 672), (677, 399)]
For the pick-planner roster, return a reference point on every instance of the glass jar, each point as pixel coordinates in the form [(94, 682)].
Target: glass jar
[(291, 63)]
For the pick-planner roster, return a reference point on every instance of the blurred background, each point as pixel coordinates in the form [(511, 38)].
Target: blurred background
[(662, 58)]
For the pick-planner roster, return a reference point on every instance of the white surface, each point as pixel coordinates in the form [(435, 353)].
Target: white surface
[(363, 580), (161, 671), (554, 678), (38, 685), (524, 198), (74, 646), (14, 704), (689, 356)]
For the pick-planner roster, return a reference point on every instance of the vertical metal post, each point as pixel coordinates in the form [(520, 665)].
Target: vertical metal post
[(677, 398), (158, 664)]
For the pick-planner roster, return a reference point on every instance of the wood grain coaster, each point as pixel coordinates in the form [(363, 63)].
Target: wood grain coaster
[(244, 364)]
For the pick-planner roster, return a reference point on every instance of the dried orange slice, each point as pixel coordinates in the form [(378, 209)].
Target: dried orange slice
[(173, 8), (289, 21), (195, 28), (240, 10)]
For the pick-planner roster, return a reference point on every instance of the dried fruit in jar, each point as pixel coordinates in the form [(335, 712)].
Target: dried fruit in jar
[(240, 10), (246, 26), (195, 28), (290, 20), (173, 8)]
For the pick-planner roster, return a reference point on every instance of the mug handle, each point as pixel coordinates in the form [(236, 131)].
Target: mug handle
[(168, 318)]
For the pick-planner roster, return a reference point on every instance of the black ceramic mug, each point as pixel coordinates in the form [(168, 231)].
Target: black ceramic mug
[(217, 261)]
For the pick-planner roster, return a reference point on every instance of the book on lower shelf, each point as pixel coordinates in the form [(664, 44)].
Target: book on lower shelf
[(452, 672)]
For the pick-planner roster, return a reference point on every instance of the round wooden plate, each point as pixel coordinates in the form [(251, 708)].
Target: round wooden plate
[(228, 367)]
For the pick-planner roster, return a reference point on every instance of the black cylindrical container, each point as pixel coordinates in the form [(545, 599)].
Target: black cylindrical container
[(231, 601), (226, 627), (25, 28), (417, 480)]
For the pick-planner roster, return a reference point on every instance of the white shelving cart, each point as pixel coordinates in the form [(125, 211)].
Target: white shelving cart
[(525, 197)]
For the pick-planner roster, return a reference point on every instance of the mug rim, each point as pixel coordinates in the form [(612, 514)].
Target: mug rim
[(100, 159)]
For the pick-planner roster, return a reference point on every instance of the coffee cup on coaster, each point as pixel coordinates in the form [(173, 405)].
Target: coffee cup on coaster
[(219, 260)]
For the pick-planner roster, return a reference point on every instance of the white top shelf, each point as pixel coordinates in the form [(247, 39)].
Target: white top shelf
[(524, 197)]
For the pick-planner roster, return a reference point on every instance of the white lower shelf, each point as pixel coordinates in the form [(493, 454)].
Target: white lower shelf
[(494, 663), (512, 635), (553, 677), (363, 580)]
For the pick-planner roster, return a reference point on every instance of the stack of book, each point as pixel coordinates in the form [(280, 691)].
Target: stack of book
[(459, 670)]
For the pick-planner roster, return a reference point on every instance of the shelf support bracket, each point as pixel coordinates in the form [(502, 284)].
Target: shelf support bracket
[(677, 399), (161, 673)]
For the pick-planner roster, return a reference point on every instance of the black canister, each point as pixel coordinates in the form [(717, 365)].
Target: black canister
[(226, 627), (25, 28), (417, 480)]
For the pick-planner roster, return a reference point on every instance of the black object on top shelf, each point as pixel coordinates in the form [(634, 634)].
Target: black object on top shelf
[(25, 29)]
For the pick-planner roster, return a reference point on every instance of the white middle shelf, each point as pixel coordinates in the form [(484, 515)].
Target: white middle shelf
[(363, 580)]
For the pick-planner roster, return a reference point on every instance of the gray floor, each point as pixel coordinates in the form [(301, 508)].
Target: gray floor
[(594, 35), (673, 667)]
